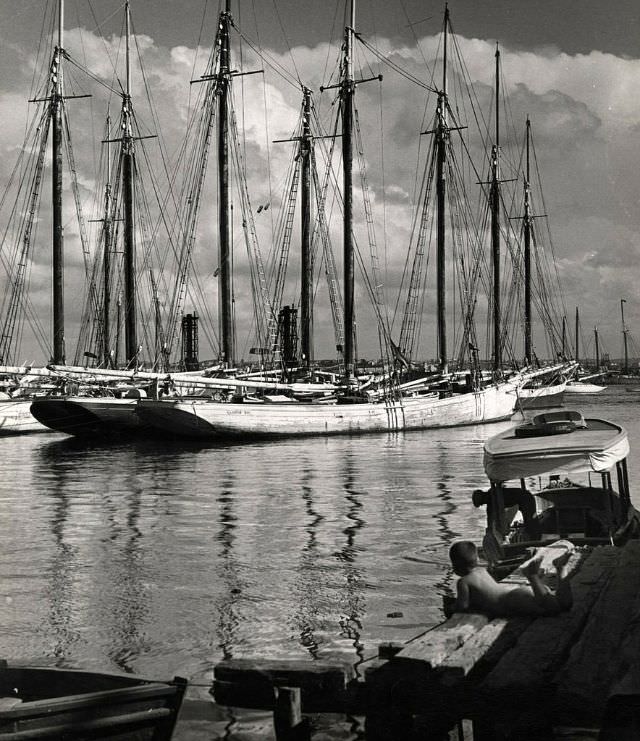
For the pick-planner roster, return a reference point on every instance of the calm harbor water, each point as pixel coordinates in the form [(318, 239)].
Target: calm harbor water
[(162, 558)]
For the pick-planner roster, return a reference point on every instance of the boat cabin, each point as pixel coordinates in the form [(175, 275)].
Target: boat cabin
[(558, 476)]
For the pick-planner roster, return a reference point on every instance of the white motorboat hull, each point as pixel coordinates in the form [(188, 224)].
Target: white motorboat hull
[(217, 420)]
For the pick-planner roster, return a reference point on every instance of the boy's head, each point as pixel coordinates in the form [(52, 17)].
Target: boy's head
[(464, 556)]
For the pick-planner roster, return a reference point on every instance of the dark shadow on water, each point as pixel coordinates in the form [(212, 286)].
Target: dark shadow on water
[(310, 592), (351, 622), (228, 619), (444, 495)]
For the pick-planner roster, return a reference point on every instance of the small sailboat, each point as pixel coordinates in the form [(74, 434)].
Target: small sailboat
[(580, 386), (627, 374), (579, 383), (547, 386), (543, 393)]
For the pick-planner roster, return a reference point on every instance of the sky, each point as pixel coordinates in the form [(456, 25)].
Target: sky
[(572, 66)]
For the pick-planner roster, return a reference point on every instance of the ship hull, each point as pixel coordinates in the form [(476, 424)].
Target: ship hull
[(16, 418), (578, 387), (542, 397), (216, 420), (88, 416)]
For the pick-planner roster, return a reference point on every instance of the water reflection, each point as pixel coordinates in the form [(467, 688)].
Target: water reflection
[(444, 477), (228, 620), (308, 612), (353, 602), (61, 571), (163, 558), (131, 591)]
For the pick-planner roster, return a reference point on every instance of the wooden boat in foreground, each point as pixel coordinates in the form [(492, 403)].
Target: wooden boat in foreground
[(51, 703), (562, 467)]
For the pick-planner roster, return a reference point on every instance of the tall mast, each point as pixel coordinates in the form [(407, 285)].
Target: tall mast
[(564, 338), (624, 336), (57, 99), (128, 164), (348, 89), (306, 298), (577, 356), (441, 191), (106, 258), (157, 363), (224, 219), (597, 343), (495, 228), (116, 357), (528, 350)]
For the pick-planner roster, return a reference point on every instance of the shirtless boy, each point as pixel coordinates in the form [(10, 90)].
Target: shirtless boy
[(478, 591)]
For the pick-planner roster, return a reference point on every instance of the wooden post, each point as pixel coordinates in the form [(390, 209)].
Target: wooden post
[(288, 722)]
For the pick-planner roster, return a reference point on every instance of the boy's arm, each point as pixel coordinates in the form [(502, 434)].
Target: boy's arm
[(463, 597)]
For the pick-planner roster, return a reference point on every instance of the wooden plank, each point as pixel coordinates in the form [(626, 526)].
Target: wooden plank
[(249, 683), (483, 650), (530, 665), (433, 647), (621, 720), (607, 647)]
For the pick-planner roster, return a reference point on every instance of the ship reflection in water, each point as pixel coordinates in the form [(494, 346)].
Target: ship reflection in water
[(163, 558)]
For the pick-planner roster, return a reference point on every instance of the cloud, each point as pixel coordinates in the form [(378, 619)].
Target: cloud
[(586, 132)]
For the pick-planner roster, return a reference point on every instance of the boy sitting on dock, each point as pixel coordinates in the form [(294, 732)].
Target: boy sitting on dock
[(478, 591)]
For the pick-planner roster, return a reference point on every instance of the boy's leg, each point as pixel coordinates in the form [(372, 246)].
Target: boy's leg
[(545, 598), (563, 592)]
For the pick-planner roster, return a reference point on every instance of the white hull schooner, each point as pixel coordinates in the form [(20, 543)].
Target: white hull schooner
[(213, 420), (16, 418)]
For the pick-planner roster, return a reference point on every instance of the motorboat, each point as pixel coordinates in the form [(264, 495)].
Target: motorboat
[(558, 476)]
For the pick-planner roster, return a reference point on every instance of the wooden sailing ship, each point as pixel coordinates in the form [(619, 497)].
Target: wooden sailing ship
[(106, 408), (435, 404)]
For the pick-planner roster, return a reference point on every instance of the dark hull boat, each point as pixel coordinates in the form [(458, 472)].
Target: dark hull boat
[(81, 415), (55, 704)]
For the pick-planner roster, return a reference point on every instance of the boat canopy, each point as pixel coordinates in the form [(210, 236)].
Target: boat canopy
[(595, 445)]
